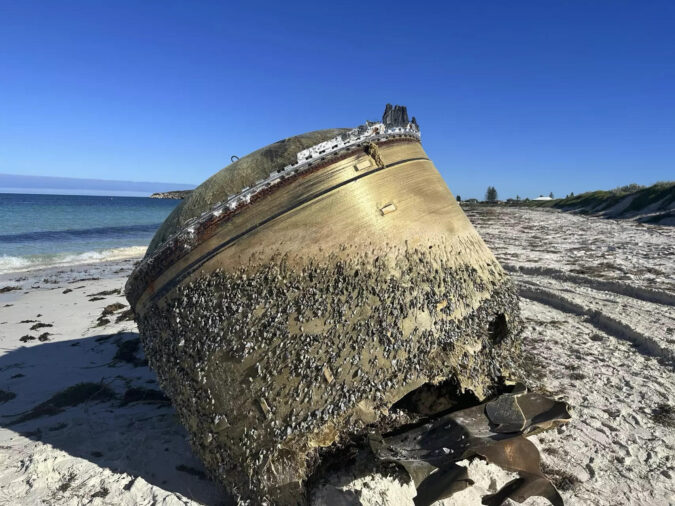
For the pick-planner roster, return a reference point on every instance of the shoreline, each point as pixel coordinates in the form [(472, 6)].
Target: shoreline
[(116, 257)]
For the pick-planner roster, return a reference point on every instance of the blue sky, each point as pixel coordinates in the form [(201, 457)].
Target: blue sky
[(530, 97)]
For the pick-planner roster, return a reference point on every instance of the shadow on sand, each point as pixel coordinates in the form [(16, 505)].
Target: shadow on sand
[(131, 430)]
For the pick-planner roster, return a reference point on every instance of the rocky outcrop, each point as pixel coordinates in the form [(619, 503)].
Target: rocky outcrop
[(178, 194)]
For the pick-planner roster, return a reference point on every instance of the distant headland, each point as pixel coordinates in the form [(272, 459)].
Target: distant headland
[(176, 194), (17, 183)]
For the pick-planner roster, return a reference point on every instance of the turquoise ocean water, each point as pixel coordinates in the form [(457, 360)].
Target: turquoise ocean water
[(44, 230)]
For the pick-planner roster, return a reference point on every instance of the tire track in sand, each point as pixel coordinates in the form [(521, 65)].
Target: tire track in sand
[(643, 343)]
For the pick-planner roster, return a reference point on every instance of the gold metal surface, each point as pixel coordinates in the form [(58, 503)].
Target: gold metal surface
[(338, 211)]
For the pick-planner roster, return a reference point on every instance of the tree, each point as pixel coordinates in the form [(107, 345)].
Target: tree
[(491, 194), (518, 198), (551, 195), (459, 198)]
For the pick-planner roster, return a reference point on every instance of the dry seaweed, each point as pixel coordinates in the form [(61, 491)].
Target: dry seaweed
[(149, 395), (111, 308), (126, 352), (6, 396), (104, 293), (71, 396), (41, 326)]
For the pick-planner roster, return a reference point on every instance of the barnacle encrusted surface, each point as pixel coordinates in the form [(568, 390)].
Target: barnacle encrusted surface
[(267, 363), (298, 319)]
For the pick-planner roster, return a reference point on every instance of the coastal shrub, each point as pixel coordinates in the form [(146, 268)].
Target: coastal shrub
[(629, 188)]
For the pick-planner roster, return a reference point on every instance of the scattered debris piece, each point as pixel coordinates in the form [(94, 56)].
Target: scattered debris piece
[(41, 326), (6, 289), (111, 308), (26, 338), (139, 394), (67, 290), (127, 315), (101, 493), (105, 293), (82, 279)]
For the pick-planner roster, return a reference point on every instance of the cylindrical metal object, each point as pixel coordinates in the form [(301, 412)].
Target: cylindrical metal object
[(285, 320)]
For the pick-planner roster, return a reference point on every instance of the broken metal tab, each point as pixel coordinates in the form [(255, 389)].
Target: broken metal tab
[(493, 430), (389, 208)]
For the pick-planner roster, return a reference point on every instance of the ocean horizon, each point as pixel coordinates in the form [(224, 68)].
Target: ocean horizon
[(43, 230)]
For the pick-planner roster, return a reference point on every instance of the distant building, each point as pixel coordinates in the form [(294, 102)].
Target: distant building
[(541, 197)]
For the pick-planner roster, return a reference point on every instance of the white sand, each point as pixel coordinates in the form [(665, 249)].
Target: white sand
[(97, 452), (599, 303)]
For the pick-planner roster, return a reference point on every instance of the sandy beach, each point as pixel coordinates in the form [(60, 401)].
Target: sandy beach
[(82, 420)]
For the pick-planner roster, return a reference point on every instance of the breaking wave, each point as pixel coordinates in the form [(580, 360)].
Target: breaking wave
[(31, 262)]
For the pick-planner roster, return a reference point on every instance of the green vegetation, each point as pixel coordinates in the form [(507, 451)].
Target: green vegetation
[(491, 194), (630, 201)]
